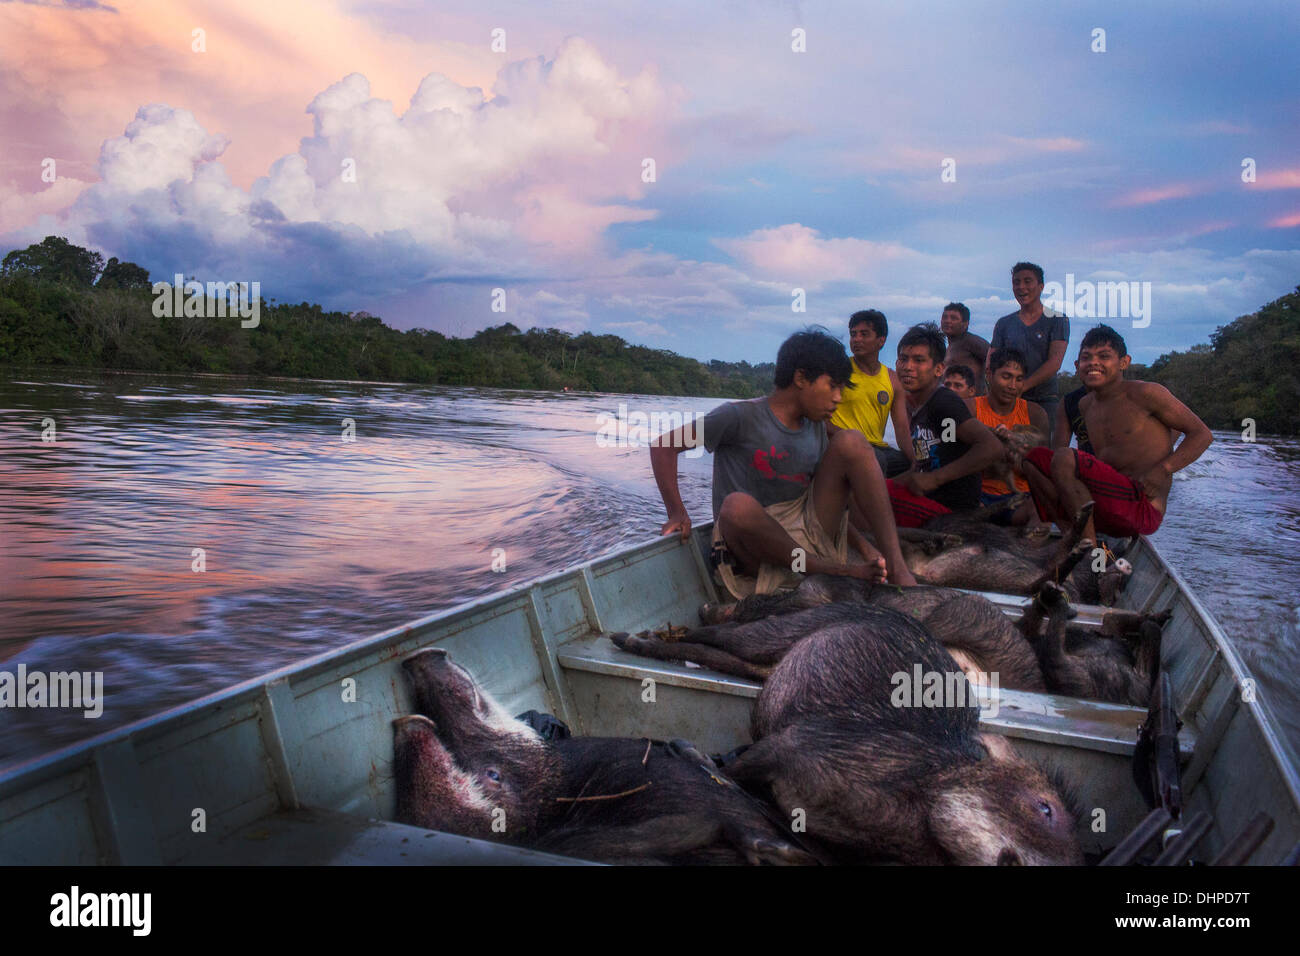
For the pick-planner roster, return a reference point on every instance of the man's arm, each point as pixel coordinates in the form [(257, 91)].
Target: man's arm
[(995, 343), (1168, 410), (980, 349), (985, 450), (1049, 368), (663, 462), (1038, 420), (1061, 431), (898, 415)]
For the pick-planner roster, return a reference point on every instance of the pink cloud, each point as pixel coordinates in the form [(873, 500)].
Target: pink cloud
[(795, 253), (1145, 197), (1289, 221), (1277, 179)]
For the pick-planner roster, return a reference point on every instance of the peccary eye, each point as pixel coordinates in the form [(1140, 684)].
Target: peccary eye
[(1045, 809), (493, 775)]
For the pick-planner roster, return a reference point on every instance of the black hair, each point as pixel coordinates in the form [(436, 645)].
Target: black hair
[(873, 316), (1006, 356), (1104, 335), (815, 352), (961, 371), (927, 334), (960, 309), (1022, 266)]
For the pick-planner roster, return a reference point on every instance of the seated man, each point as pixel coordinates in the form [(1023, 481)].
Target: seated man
[(782, 490), (1131, 426), (960, 380), (950, 444), (1020, 424), (875, 396)]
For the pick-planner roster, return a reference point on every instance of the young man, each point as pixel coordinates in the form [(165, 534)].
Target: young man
[(1040, 335), (960, 380), (950, 444), (783, 490), (1024, 423), (1132, 427), (964, 346), (875, 394)]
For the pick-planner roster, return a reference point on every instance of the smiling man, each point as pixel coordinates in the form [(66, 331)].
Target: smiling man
[(1131, 426), (782, 489), (951, 446), (1041, 335)]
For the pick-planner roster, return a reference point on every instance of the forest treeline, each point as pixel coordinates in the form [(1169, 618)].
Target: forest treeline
[(62, 305)]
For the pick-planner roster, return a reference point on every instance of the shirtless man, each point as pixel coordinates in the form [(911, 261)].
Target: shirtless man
[(1132, 427), (964, 346)]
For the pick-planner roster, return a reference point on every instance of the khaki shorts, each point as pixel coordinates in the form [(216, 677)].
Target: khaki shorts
[(799, 518)]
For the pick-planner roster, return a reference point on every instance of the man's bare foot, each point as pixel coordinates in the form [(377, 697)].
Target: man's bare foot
[(903, 578), (872, 572)]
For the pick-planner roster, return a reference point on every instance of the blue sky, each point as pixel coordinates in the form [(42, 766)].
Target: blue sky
[(521, 169)]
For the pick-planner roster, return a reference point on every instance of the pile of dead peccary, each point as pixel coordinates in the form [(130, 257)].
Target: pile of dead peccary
[(839, 771)]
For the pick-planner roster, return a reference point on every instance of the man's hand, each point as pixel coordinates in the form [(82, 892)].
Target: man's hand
[(677, 521), (1154, 482), (917, 482)]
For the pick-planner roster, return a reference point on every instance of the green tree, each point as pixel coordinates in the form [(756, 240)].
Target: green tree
[(54, 259), (124, 275)]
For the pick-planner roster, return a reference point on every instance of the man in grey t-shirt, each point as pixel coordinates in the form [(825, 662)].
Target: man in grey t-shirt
[(783, 493), (1040, 334)]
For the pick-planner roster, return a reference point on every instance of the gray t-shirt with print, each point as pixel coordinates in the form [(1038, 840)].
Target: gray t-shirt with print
[(1034, 341), (756, 454)]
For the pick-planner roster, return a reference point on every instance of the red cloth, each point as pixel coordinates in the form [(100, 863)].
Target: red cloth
[(1121, 510), (912, 511)]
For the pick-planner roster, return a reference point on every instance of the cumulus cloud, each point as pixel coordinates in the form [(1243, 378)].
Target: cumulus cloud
[(460, 186)]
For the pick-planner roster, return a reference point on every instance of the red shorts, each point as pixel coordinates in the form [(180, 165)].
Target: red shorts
[(1121, 510), (912, 511)]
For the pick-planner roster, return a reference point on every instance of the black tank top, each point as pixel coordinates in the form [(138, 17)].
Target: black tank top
[(1075, 418)]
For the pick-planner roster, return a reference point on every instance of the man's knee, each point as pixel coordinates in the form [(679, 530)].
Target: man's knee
[(738, 508), (849, 441)]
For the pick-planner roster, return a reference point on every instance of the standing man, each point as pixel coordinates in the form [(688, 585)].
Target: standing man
[(1039, 334), (952, 447), (875, 395), (964, 346)]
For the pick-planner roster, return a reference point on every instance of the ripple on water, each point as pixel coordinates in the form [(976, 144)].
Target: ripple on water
[(311, 542)]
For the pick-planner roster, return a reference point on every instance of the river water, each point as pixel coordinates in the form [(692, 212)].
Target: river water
[(184, 534)]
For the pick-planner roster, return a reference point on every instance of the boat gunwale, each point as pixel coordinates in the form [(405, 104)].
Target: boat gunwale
[(1259, 710), (40, 768), (78, 755)]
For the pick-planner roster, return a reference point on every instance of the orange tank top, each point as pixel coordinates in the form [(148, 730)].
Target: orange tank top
[(1019, 416)]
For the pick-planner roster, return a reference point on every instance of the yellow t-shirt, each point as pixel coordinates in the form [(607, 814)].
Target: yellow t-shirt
[(866, 406)]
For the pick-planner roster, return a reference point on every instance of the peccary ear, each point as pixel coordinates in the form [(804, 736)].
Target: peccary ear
[(998, 748)]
